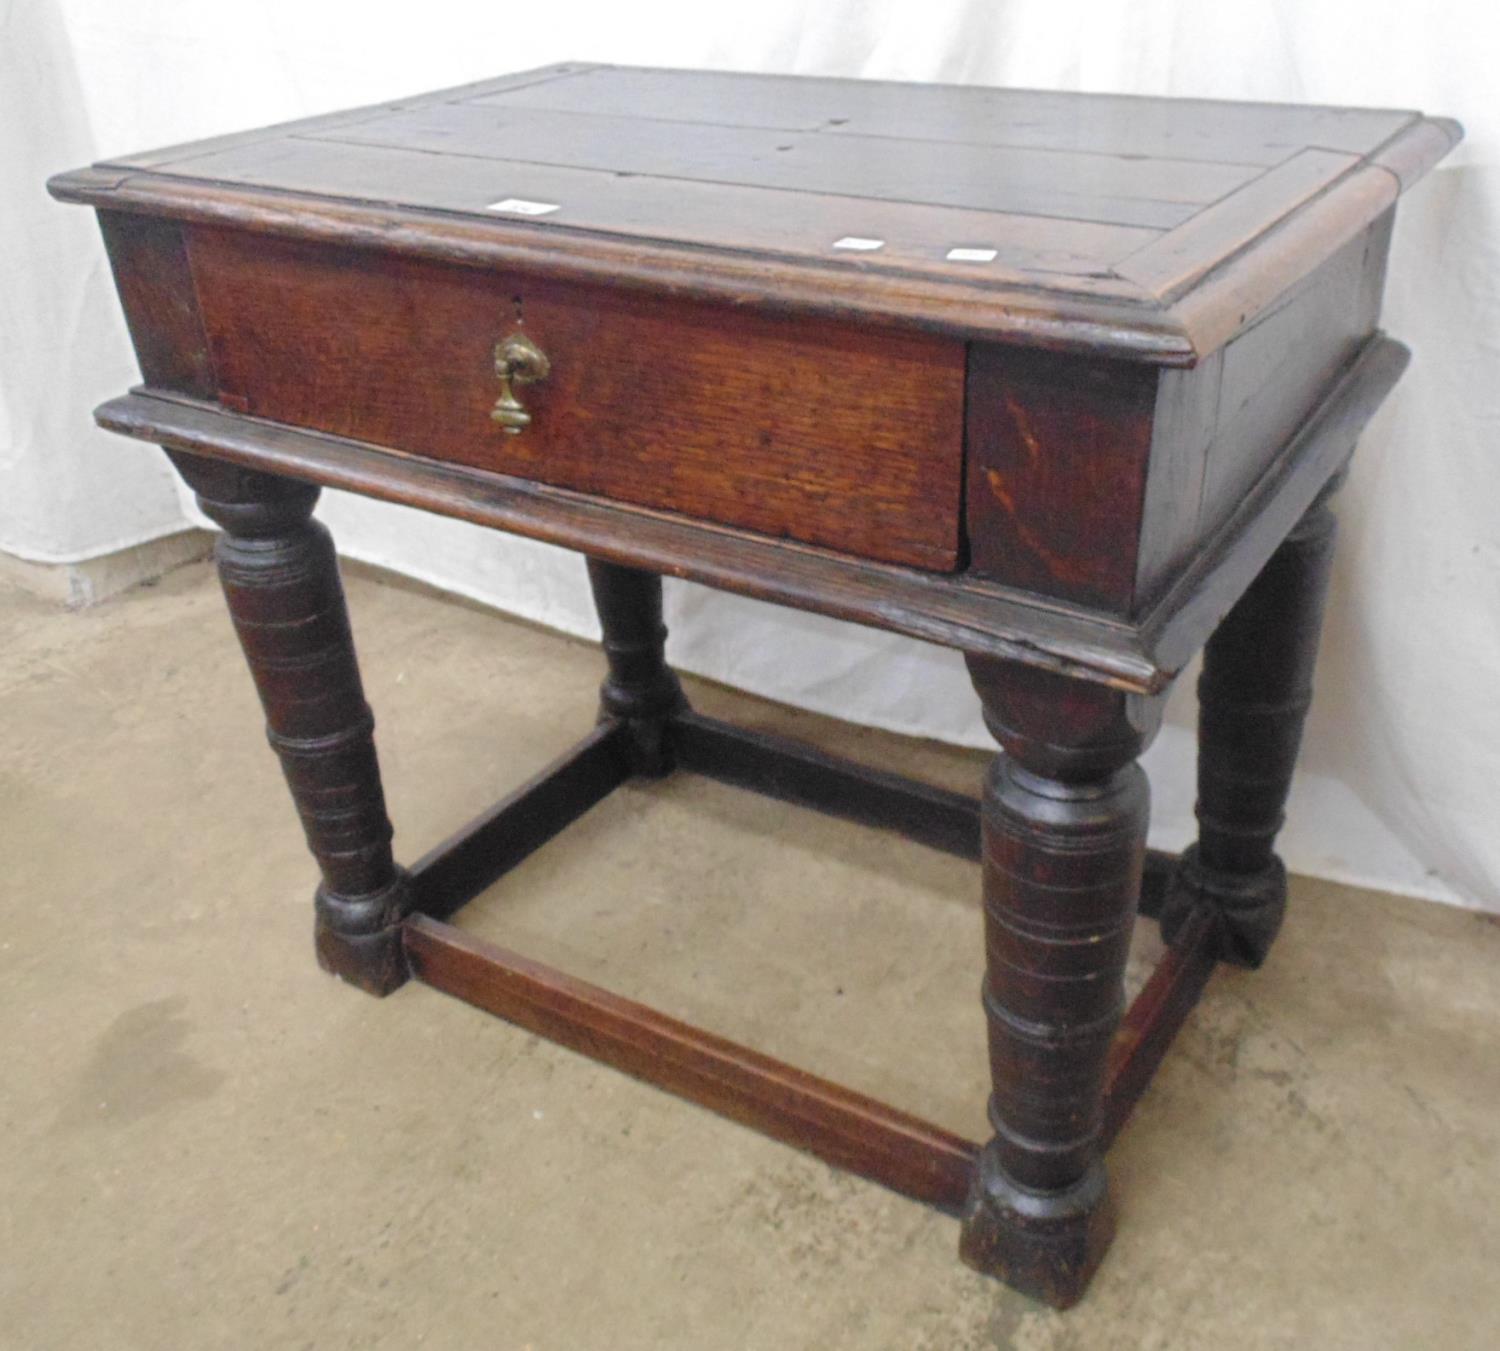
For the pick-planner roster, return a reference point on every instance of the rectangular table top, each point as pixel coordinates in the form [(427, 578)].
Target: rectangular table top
[(1145, 226)]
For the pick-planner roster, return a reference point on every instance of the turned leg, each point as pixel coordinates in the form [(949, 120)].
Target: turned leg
[(640, 688), (1253, 696), (280, 577), (1064, 835)]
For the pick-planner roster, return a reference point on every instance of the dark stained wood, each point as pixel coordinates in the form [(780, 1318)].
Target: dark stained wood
[(793, 772), (1253, 697), (1253, 281), (281, 581), (1254, 693), (679, 182), (1156, 876), (960, 306), (1197, 130), (1154, 1018), (1058, 452), (149, 260), (1064, 418), (1097, 481), (844, 1128), (961, 612), (303, 126), (640, 689), (1227, 562), (452, 873), (954, 611), (1183, 422), (1142, 191), (848, 438), (1064, 829), (480, 853), (1275, 372), (1175, 261), (1219, 428), (1074, 255)]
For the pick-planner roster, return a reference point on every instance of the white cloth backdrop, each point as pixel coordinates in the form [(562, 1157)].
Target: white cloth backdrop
[(1401, 779)]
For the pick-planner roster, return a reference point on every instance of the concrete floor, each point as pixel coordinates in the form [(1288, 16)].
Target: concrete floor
[(210, 1144)]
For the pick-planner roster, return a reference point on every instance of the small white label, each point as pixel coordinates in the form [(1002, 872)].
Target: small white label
[(519, 206), (858, 245), (972, 255)]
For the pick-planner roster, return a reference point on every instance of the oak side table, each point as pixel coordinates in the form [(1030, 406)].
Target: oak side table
[(1062, 381)]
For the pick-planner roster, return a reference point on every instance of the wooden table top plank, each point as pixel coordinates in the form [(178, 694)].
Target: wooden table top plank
[(1152, 229), (1219, 132), (1074, 255), (1107, 189), (151, 159), (1174, 260)]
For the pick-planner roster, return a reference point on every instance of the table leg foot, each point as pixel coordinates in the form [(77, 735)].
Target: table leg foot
[(1045, 1244), (1247, 908), (359, 939)]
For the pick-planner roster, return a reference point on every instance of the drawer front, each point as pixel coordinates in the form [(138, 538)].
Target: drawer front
[(841, 436)]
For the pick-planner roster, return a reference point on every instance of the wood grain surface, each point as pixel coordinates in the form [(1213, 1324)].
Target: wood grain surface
[(845, 1128), (845, 437), (1087, 221), (959, 611), (887, 353)]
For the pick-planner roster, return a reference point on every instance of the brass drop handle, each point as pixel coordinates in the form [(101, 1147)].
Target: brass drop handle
[(519, 361)]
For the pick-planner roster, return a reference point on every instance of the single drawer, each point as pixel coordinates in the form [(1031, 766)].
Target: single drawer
[(835, 435)]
